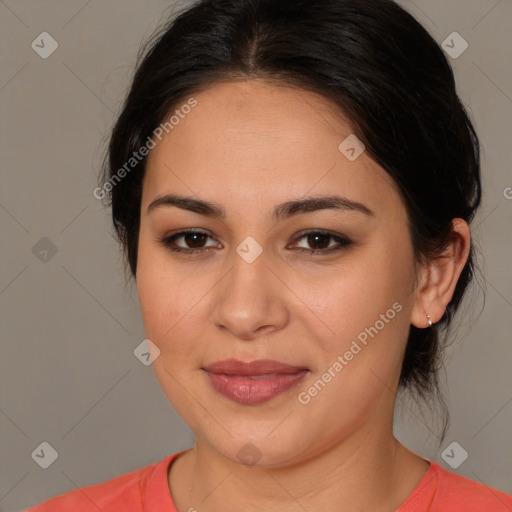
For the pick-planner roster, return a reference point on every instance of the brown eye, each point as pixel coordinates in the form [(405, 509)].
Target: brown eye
[(194, 241), (318, 239), (319, 242)]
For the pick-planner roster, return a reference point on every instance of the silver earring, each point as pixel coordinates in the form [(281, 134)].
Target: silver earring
[(429, 321)]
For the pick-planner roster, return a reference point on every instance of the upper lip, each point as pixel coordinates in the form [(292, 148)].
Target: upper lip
[(257, 367)]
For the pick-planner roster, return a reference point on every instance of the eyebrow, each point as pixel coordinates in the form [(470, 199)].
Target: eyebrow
[(281, 211)]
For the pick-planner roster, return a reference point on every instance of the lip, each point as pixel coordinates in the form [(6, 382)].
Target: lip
[(253, 382)]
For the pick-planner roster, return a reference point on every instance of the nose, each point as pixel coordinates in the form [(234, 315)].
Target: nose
[(251, 301)]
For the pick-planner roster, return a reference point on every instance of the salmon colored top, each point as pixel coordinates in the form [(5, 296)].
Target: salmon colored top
[(147, 490)]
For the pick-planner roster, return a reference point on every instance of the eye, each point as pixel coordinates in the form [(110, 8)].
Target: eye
[(194, 240), (321, 239)]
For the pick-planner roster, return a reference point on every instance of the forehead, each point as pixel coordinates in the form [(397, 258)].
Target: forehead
[(255, 141)]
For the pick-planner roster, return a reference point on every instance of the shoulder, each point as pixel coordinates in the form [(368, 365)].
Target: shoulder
[(120, 494), (471, 495), (455, 493)]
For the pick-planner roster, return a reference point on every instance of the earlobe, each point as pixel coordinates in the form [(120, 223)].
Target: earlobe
[(440, 277)]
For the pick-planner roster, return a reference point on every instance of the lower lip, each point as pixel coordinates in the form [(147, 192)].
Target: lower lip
[(246, 390)]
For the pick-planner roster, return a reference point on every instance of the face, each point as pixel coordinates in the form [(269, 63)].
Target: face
[(321, 289)]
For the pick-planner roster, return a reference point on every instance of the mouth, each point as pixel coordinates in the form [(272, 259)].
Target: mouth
[(253, 382)]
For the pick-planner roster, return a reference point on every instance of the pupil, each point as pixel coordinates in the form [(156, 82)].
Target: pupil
[(313, 239), (192, 235)]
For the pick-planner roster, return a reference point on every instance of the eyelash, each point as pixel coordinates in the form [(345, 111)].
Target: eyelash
[(341, 240)]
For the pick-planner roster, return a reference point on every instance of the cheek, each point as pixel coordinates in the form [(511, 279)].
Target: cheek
[(162, 299), (172, 302), (367, 311), (167, 311), (355, 296)]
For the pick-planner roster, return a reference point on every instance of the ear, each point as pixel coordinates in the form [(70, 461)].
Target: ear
[(438, 278)]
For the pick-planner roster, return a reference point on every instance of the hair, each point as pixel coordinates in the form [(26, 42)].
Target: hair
[(372, 61)]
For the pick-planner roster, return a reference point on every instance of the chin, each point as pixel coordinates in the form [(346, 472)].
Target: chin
[(258, 450)]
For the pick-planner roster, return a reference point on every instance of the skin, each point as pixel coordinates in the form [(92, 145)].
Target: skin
[(249, 146)]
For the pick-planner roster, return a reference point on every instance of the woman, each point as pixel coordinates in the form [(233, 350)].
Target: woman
[(293, 183)]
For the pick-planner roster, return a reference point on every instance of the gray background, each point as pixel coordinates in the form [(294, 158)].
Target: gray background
[(70, 324)]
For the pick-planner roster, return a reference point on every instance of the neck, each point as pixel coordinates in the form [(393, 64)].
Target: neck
[(370, 470)]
